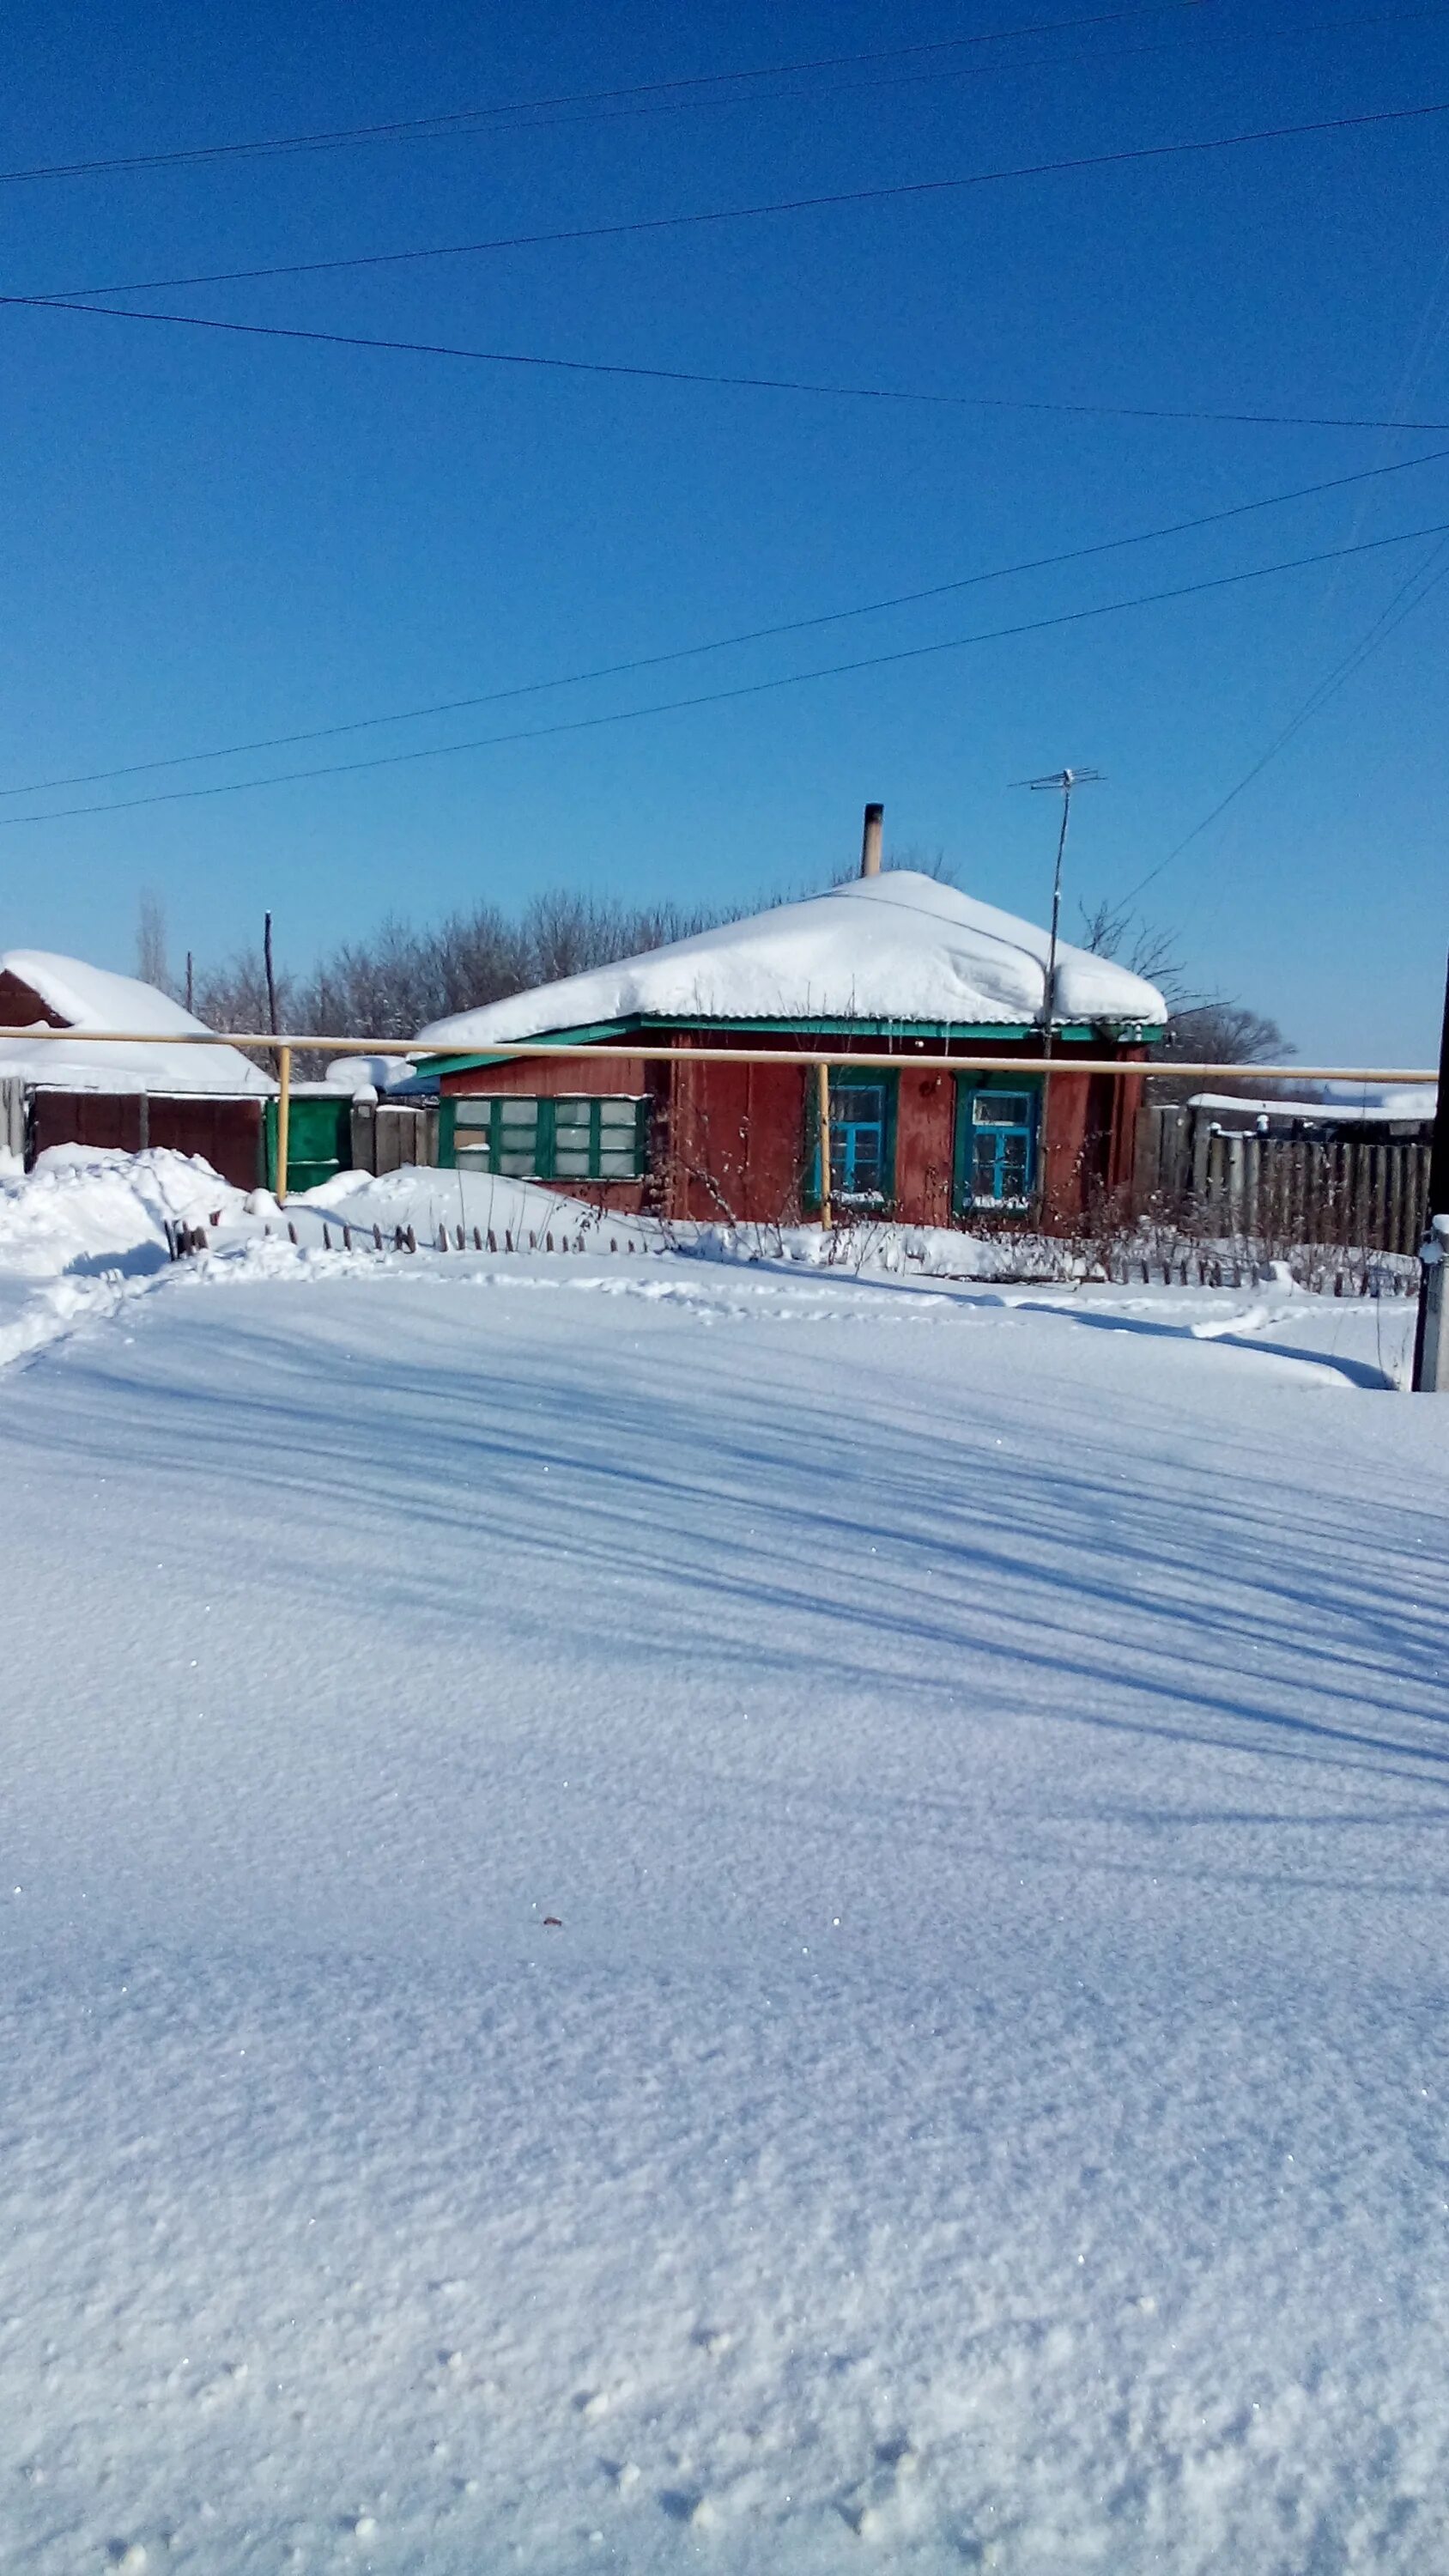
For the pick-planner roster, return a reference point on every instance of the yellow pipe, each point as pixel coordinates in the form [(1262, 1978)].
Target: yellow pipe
[(284, 1119), (541, 1046)]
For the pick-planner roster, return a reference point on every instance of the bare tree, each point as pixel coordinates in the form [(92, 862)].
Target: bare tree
[(392, 984), (151, 964), (1202, 1028)]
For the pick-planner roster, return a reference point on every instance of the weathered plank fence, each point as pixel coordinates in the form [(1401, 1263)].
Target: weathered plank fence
[(1366, 1191)]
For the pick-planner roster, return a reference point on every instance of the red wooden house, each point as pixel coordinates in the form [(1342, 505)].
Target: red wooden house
[(890, 964)]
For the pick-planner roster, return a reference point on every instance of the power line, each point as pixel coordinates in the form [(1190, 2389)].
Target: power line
[(724, 643), (450, 120), (780, 384), (738, 214), (1353, 661), (745, 689), (746, 384)]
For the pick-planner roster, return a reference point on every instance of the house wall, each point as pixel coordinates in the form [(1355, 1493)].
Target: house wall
[(728, 1141), (925, 1146), (735, 1142), (577, 1077), (22, 1008)]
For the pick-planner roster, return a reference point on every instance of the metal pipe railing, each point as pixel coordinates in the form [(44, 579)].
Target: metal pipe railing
[(506, 1051), (1048, 1066)]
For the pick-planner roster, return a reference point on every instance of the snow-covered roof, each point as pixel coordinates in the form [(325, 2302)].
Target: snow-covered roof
[(87, 999), (1340, 1108), (893, 947)]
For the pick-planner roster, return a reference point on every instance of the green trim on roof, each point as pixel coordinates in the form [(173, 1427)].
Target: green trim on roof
[(598, 1035), (938, 1032)]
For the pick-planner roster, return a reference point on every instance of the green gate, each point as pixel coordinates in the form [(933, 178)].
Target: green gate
[(319, 1138)]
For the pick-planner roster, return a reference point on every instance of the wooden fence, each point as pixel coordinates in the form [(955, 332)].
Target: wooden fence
[(1367, 1191)]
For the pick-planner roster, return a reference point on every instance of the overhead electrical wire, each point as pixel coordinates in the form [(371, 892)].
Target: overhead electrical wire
[(1328, 687), (726, 643), (746, 384), (451, 120), (533, 116), (744, 689), (1124, 155), (795, 205)]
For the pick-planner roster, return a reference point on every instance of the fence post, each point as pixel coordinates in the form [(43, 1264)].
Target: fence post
[(822, 1077), (284, 1118), (1431, 1334)]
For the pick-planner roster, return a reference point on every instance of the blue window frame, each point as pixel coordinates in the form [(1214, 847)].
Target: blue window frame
[(862, 1140), (997, 1122)]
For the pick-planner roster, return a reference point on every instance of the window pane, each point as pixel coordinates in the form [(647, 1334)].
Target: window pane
[(515, 1114), (571, 1117), (1013, 1164), (571, 1162), (619, 1114), (473, 1113), (1002, 1109), (983, 1169), (618, 1163)]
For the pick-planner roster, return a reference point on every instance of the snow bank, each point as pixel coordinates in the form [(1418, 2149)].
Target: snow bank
[(88, 998), (86, 1209), (893, 947), (87, 1228), (425, 1197), (767, 1927)]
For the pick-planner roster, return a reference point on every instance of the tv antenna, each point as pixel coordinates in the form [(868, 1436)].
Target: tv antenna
[(1060, 782)]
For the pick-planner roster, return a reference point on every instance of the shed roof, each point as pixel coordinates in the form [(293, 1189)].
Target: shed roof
[(88, 999), (898, 947)]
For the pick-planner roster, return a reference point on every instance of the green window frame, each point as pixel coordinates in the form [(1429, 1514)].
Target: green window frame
[(998, 1125), (604, 1138), (862, 1139)]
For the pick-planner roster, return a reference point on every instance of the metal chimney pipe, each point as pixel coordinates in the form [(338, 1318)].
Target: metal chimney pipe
[(870, 841)]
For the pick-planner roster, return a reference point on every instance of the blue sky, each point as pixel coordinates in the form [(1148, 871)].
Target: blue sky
[(212, 539)]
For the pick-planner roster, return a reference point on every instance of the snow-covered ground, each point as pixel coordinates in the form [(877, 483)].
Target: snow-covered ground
[(982, 2101)]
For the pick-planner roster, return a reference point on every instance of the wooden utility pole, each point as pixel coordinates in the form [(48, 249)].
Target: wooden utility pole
[(1431, 1333)]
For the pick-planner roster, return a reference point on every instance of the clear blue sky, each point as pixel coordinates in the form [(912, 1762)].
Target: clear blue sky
[(209, 539)]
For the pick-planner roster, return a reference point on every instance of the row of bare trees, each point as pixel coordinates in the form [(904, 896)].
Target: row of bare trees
[(396, 981)]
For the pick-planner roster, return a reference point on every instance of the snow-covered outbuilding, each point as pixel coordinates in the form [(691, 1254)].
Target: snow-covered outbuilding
[(153, 1090), (891, 964)]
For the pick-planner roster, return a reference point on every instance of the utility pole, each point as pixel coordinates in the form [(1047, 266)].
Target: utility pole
[(1059, 782), (271, 978), (1431, 1333)]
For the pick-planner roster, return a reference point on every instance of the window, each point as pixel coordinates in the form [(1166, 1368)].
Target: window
[(551, 1140), (995, 1144), (862, 1141)]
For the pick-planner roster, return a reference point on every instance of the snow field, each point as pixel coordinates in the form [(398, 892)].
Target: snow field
[(982, 2102)]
